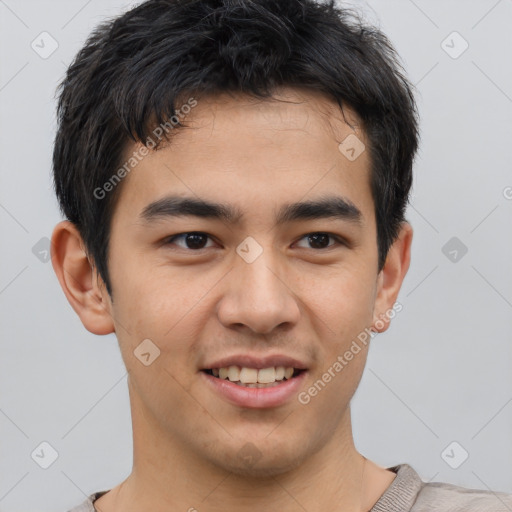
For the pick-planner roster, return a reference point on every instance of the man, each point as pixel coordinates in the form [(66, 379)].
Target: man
[(234, 176)]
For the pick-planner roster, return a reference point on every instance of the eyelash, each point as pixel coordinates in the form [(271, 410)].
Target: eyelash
[(339, 240)]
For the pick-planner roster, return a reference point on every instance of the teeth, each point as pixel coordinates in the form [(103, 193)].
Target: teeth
[(233, 373), (248, 375), (252, 377), (266, 375)]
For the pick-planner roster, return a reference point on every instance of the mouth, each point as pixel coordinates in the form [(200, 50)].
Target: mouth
[(257, 381), (248, 377), (255, 388)]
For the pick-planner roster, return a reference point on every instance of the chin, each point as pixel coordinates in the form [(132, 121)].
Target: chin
[(261, 458), (262, 469)]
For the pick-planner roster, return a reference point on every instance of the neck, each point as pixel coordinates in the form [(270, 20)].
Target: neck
[(168, 476)]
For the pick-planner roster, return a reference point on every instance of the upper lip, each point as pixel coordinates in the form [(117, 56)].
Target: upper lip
[(259, 362)]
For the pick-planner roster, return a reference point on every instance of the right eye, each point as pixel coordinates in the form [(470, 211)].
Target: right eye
[(193, 240)]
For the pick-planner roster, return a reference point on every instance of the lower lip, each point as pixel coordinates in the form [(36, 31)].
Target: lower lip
[(256, 398)]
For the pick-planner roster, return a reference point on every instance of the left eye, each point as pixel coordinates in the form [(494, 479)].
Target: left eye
[(193, 240), (196, 240), (320, 239)]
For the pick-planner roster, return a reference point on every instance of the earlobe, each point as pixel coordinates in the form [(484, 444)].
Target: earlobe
[(78, 279), (391, 277)]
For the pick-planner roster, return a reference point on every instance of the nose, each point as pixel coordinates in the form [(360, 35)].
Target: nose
[(258, 296)]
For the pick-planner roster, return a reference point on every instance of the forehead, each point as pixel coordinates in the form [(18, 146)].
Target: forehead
[(297, 109), (237, 147)]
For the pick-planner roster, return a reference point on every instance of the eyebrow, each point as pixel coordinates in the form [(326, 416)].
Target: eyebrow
[(175, 206)]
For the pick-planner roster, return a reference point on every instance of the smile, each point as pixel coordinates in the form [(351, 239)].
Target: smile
[(254, 377), (284, 383)]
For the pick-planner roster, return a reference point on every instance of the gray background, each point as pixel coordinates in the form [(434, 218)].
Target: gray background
[(442, 373)]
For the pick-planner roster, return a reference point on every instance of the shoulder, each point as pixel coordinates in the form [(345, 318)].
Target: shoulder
[(87, 505), (444, 497), (408, 493)]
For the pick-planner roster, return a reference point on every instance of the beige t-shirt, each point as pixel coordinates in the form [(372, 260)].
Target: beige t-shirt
[(408, 493)]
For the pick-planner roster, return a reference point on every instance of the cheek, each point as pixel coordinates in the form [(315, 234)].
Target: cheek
[(328, 395), (341, 299), (163, 305), (153, 299), (152, 309)]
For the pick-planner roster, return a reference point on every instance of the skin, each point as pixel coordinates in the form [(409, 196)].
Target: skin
[(197, 305)]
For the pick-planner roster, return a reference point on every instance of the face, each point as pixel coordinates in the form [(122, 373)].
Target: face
[(256, 284)]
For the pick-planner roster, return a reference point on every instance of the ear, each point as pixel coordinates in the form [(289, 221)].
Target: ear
[(79, 279), (391, 277)]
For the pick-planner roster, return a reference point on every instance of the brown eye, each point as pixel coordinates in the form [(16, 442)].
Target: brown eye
[(320, 240), (194, 240)]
